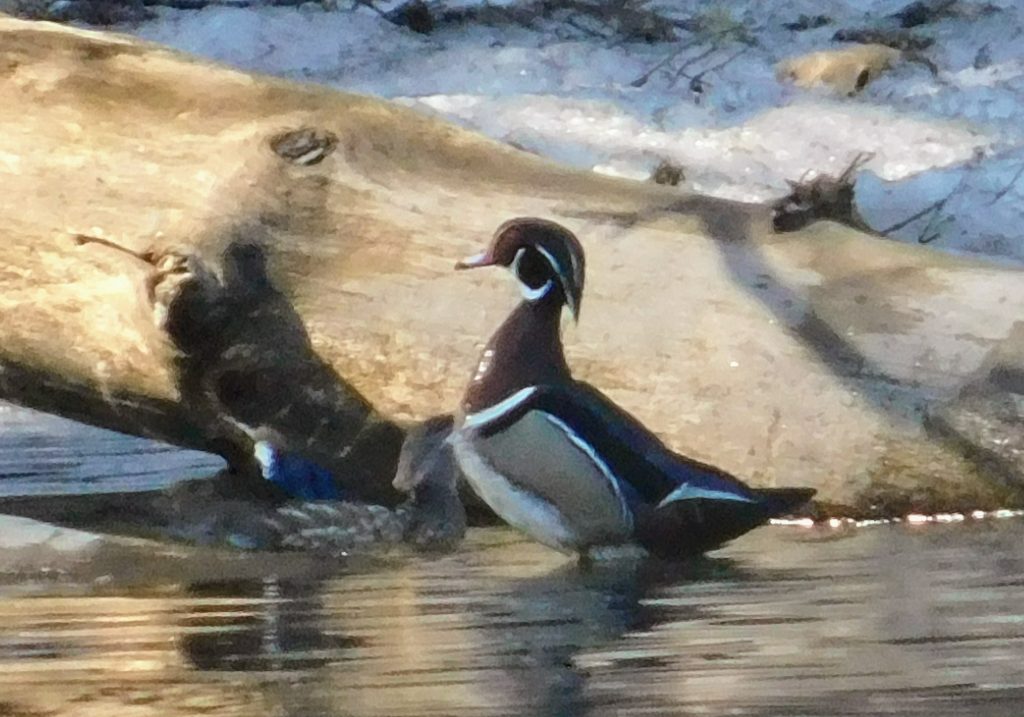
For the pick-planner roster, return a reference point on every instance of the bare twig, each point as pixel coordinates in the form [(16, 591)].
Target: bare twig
[(642, 79), (681, 70), (82, 239), (697, 81), (926, 235), (933, 207), (858, 161), (715, 40), (1009, 185)]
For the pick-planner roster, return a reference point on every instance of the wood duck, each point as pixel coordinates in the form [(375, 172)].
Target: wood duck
[(556, 458)]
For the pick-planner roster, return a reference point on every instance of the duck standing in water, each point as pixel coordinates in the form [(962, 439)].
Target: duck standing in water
[(556, 458)]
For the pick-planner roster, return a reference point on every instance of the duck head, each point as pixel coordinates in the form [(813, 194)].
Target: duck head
[(543, 256)]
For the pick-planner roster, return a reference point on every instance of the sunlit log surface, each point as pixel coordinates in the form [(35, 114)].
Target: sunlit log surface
[(252, 275)]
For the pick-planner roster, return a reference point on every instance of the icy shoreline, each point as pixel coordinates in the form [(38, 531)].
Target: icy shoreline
[(561, 89)]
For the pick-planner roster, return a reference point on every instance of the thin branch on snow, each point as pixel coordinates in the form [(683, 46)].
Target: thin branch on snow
[(681, 70), (697, 82), (933, 210), (1009, 185), (643, 79), (926, 235)]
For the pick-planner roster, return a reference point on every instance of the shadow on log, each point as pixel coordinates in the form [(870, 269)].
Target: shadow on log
[(280, 255)]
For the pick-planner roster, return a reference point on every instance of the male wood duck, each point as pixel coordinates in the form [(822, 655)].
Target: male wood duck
[(556, 458)]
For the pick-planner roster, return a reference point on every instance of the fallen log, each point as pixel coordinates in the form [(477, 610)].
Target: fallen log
[(190, 251)]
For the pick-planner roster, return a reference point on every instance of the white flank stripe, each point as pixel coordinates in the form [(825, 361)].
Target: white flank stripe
[(689, 492), (482, 418), (577, 441)]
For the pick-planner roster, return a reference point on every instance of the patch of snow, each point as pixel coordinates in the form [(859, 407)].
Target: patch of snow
[(303, 42), (987, 76), (749, 162), (710, 104), (984, 209)]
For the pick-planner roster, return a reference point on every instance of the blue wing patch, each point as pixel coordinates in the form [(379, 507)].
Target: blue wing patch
[(295, 475)]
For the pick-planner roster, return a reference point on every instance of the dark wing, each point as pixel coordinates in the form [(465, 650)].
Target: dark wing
[(647, 468), (694, 507)]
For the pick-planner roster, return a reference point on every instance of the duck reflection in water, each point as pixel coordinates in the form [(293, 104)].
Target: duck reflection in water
[(257, 625), (458, 635)]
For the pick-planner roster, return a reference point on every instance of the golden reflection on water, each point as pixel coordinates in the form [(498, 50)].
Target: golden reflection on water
[(888, 619)]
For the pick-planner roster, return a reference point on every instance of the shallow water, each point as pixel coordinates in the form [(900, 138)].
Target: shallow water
[(42, 454), (893, 619)]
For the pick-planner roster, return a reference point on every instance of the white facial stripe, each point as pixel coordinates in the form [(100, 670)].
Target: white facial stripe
[(482, 418), (575, 265), (516, 259), (571, 303), (528, 293), (691, 492), (557, 268), (588, 449)]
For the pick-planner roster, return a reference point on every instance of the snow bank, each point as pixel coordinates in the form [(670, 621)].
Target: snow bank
[(593, 102)]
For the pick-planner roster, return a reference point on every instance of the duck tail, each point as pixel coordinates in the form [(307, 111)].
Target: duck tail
[(684, 528), (778, 502)]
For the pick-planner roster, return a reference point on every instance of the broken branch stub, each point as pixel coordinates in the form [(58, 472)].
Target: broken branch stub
[(823, 197)]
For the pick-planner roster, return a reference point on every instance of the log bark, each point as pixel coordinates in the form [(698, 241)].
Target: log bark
[(280, 255)]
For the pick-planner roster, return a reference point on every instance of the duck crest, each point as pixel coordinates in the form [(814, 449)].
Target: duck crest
[(525, 351)]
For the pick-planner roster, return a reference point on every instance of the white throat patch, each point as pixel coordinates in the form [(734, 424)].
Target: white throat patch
[(534, 294)]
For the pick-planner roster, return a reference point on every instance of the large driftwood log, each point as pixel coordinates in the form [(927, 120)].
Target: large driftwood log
[(280, 255)]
